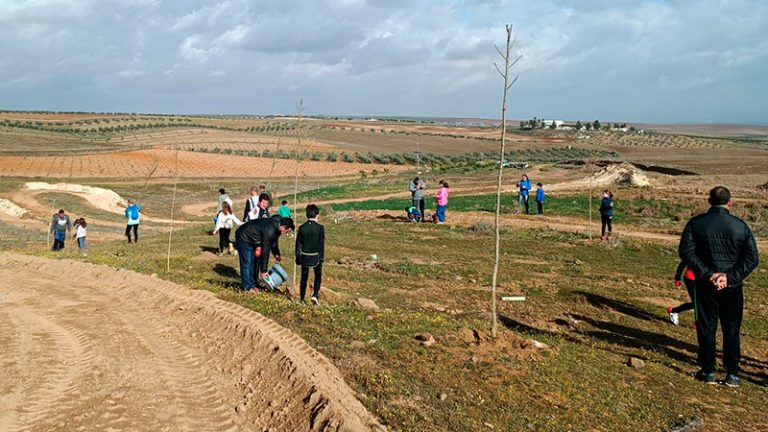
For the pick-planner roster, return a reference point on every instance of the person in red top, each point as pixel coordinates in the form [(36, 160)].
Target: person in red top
[(689, 278)]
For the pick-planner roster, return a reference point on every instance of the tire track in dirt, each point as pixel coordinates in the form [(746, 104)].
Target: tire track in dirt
[(92, 348)]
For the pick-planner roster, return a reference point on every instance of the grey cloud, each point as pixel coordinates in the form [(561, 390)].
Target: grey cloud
[(631, 60)]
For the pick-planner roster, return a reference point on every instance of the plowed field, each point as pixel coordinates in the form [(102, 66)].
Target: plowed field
[(162, 163)]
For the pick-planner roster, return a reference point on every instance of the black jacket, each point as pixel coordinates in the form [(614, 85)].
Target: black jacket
[(718, 242), (261, 232), (310, 243)]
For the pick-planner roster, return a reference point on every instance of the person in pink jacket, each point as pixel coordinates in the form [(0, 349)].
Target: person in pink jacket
[(442, 201)]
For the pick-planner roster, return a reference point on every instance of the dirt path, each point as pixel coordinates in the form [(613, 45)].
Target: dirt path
[(86, 347)]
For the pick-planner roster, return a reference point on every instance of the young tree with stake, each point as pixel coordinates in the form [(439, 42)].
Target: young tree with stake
[(508, 64)]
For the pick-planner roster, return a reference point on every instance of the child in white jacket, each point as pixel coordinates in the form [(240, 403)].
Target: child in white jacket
[(225, 221), (80, 233)]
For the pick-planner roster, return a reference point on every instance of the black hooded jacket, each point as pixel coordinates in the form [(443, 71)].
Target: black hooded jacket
[(718, 242), (261, 232)]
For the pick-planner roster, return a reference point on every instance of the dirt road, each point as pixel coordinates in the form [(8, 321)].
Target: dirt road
[(86, 347)]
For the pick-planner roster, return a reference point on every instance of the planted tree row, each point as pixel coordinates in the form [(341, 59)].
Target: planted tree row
[(550, 155)]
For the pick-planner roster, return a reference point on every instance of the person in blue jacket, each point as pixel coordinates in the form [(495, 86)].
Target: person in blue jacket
[(606, 213), (132, 220), (525, 187), (540, 198)]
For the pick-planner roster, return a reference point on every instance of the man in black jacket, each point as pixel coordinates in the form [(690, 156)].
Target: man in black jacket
[(721, 251), (255, 240)]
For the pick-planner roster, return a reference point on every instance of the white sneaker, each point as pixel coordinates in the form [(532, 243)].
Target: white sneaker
[(674, 318), (315, 301)]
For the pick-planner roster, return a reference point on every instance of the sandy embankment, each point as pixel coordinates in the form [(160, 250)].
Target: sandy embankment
[(87, 347)]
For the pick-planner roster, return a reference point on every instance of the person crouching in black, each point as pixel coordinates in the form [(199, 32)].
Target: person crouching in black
[(255, 240)]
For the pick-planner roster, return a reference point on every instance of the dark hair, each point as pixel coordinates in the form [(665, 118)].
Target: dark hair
[(222, 191), (416, 180), (445, 184), (83, 223), (263, 197), (225, 206), (287, 222), (539, 184), (312, 211), (606, 191), (719, 195), (61, 211), (284, 202)]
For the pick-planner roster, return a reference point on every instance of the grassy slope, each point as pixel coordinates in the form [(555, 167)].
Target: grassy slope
[(579, 384)]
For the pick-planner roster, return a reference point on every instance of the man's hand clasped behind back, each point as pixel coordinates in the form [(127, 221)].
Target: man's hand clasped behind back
[(719, 280)]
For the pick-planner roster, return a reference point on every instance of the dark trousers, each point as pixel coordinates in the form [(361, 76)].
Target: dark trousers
[(58, 240), (691, 287), (524, 201), (245, 254), (259, 268), (135, 229), (606, 220), (540, 207), (315, 283), (728, 306), (224, 239), (419, 204)]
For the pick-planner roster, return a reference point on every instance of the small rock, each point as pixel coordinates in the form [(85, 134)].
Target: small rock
[(573, 320), (374, 257), (636, 363), (539, 345), (489, 425), (442, 396), (470, 336), (365, 303), (181, 308), (240, 409), (426, 339), (692, 425), (630, 281), (153, 275), (458, 278)]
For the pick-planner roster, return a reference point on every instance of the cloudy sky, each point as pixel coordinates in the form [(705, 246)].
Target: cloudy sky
[(615, 60)]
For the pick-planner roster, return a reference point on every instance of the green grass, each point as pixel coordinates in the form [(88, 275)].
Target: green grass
[(581, 383)]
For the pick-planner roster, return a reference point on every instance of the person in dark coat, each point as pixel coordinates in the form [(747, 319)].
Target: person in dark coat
[(255, 240), (310, 252), (721, 251), (606, 213)]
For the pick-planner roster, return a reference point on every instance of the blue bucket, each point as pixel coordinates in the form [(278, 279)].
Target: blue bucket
[(276, 276)]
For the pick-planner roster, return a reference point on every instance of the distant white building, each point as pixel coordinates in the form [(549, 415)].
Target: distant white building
[(549, 123)]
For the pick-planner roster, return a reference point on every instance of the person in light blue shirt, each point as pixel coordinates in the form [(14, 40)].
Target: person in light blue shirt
[(133, 219)]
